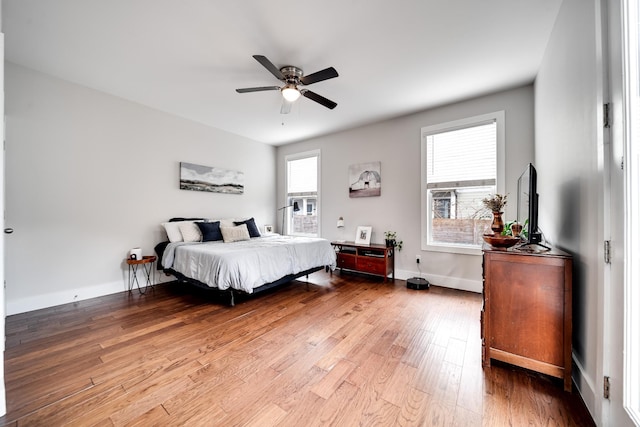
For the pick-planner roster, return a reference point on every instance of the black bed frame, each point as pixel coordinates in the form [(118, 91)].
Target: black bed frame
[(231, 292)]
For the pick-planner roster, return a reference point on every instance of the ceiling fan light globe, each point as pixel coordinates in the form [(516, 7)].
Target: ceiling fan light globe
[(290, 93)]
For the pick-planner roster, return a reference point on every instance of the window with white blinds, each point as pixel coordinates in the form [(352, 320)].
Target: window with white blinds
[(459, 169), (300, 214)]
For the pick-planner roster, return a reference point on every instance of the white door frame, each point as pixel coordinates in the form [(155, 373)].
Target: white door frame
[(617, 308), (3, 404), (630, 17)]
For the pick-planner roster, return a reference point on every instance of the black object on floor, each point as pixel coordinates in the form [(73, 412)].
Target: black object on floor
[(418, 283)]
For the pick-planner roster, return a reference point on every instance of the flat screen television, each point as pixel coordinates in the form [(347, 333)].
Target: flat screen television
[(528, 205)]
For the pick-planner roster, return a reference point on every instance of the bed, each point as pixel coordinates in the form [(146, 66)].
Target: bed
[(247, 262)]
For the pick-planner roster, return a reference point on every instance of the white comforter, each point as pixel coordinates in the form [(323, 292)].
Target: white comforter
[(248, 264)]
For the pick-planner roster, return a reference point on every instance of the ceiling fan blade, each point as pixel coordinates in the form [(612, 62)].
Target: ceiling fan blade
[(319, 99), (286, 107), (269, 66), (257, 89), (326, 74)]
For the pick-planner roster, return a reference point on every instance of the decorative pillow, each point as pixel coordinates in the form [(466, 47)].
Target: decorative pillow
[(210, 231), (190, 231), (227, 222), (173, 231), (235, 234), (251, 226)]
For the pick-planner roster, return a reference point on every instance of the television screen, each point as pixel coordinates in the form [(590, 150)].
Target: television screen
[(528, 205)]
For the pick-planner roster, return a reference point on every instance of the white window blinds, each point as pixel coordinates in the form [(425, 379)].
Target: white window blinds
[(462, 157), (302, 176)]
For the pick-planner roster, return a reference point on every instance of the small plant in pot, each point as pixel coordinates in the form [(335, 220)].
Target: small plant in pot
[(391, 240), (515, 229)]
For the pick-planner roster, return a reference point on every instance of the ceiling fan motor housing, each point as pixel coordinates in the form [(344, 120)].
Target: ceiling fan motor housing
[(291, 74)]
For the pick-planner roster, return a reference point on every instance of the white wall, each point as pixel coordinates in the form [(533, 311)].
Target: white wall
[(396, 143), (568, 144), (89, 176)]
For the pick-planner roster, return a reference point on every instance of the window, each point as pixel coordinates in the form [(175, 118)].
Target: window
[(460, 167), (302, 217), (442, 201)]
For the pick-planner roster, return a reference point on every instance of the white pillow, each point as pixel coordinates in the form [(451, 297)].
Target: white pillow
[(235, 234), (190, 231), (225, 222), (173, 231)]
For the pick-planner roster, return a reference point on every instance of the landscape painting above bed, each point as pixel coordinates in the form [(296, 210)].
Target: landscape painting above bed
[(210, 179)]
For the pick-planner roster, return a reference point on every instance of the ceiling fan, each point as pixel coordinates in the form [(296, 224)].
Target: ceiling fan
[(292, 78)]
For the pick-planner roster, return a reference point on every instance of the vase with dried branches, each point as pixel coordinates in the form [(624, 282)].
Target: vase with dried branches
[(496, 203)]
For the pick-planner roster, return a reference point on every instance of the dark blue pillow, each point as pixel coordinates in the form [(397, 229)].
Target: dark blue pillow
[(210, 231), (251, 226)]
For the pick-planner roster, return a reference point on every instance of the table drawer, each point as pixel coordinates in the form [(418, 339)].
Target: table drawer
[(371, 265), (346, 261)]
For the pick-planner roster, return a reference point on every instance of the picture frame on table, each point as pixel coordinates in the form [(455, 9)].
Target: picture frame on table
[(363, 235)]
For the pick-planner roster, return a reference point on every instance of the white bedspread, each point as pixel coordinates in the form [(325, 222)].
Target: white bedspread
[(248, 264)]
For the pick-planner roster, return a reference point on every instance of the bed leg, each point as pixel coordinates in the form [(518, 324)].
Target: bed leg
[(232, 301)]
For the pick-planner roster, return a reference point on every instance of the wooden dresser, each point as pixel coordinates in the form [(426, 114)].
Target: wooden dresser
[(371, 259), (526, 313)]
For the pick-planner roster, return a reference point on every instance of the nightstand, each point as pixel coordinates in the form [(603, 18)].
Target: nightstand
[(147, 267)]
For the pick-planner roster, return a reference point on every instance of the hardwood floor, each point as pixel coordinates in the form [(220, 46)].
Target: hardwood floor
[(344, 350)]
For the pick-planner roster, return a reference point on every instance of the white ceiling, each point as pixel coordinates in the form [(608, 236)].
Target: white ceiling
[(188, 57)]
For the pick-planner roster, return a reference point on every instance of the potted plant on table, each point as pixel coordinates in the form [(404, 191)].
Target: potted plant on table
[(390, 238), (515, 229)]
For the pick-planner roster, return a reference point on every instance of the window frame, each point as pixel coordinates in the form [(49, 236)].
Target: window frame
[(289, 212), (425, 210)]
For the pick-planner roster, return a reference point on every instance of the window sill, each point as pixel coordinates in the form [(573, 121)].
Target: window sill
[(454, 249)]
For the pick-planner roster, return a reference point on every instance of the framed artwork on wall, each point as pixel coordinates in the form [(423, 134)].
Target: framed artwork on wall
[(363, 235), (209, 179), (364, 180)]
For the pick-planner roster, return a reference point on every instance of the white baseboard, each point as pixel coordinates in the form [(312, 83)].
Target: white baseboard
[(52, 299), (38, 302), (585, 386), (445, 281)]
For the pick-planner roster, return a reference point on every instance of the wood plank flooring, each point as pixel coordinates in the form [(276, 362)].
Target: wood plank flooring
[(343, 350)]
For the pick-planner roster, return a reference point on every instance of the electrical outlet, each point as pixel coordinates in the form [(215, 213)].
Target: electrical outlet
[(418, 258)]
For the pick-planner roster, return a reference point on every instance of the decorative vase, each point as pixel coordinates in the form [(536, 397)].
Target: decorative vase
[(390, 242), (498, 224)]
